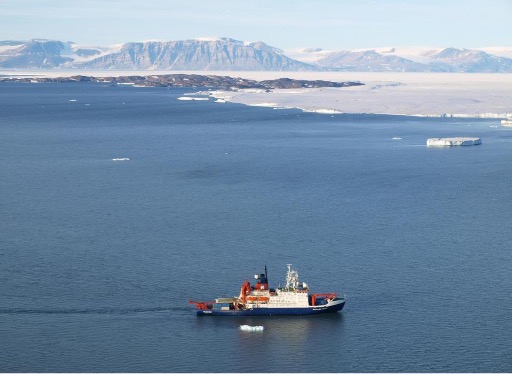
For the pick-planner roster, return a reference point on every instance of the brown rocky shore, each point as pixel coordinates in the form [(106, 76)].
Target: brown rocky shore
[(189, 80)]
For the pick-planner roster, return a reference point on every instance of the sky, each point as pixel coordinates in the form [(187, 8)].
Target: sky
[(286, 24)]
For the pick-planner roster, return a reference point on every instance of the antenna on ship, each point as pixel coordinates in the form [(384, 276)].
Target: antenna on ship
[(266, 273), (292, 278)]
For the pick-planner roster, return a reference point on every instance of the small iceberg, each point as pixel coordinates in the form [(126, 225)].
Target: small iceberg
[(251, 328), (457, 141), (121, 159)]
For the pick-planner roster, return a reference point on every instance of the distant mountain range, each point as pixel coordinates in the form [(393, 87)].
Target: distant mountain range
[(197, 54), (409, 59), (229, 54)]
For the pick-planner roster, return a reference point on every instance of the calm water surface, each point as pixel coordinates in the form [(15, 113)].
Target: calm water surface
[(98, 258)]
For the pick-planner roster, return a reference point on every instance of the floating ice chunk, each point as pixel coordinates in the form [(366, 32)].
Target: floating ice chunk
[(121, 159), (251, 328), (72, 100), (442, 142), (324, 111), (185, 98), (397, 138), (320, 110)]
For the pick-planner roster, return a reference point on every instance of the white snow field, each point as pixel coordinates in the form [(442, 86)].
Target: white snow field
[(413, 94)]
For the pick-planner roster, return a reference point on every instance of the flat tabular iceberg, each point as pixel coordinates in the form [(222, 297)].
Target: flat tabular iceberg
[(442, 142)]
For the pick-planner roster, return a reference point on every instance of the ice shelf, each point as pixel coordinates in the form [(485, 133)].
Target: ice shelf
[(443, 142)]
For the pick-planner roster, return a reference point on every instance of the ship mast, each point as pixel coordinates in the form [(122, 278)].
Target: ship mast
[(292, 278)]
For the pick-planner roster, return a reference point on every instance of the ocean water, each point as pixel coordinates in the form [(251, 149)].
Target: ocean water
[(98, 258)]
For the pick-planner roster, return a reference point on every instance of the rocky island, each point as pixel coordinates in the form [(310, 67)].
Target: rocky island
[(189, 80)]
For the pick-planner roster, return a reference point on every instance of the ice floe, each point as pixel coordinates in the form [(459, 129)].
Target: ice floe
[(323, 111), (251, 328), (188, 98), (443, 142)]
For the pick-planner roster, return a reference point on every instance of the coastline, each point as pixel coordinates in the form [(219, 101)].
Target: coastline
[(465, 95)]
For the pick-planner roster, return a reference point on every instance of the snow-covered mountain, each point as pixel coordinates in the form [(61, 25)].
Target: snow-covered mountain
[(195, 54), (410, 59), (467, 60), (230, 54), (369, 61), (47, 54), (32, 54)]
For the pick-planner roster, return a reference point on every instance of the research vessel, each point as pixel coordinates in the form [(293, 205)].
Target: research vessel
[(260, 300)]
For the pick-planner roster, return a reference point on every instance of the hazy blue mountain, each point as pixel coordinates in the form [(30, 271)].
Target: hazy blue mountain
[(229, 54), (411, 59), (220, 54), (470, 61), (35, 54), (196, 54), (368, 61)]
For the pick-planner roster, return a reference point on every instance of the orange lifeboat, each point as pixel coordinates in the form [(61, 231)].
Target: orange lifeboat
[(258, 299)]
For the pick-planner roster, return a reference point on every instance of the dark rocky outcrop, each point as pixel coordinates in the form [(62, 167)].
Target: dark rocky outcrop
[(191, 80)]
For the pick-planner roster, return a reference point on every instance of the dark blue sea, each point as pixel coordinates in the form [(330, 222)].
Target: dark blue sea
[(98, 258)]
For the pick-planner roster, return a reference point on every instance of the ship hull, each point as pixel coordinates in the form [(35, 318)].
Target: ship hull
[(333, 307)]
